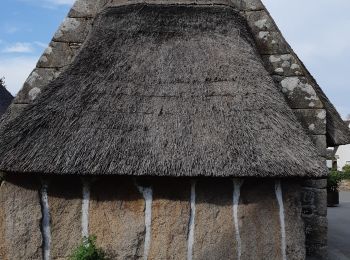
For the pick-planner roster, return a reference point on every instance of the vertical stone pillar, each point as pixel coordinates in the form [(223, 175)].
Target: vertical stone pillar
[(314, 200)]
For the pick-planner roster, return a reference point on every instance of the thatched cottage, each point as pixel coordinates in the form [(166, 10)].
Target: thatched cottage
[(170, 130)]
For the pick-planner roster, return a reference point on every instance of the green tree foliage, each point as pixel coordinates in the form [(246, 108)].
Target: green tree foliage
[(346, 168), (88, 250), (333, 181), (2, 82)]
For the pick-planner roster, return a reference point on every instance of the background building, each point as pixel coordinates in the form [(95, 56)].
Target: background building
[(343, 153)]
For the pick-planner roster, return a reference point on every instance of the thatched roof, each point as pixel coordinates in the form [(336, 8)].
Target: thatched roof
[(5, 99), (162, 90)]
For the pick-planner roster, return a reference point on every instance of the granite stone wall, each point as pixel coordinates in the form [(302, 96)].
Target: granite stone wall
[(118, 212)]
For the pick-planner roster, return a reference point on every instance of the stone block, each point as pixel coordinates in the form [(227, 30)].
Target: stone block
[(117, 218), (250, 5), (65, 205), (315, 200), (308, 196), (308, 210), (260, 21), (321, 202), (214, 226), (316, 230), (320, 142), (86, 8), (20, 219), (73, 30), (317, 184), (57, 55), (170, 218), (34, 84), (284, 65), (317, 253), (271, 42), (299, 93), (313, 120)]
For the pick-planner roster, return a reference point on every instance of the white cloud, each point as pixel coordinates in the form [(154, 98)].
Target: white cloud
[(61, 2), (50, 3), (19, 47), (11, 29), (41, 44), (16, 70)]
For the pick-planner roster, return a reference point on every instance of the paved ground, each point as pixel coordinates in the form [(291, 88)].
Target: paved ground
[(339, 229)]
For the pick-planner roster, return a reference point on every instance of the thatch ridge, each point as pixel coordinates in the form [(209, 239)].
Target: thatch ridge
[(167, 91)]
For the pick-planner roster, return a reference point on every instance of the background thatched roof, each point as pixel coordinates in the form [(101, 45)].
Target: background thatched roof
[(162, 90), (5, 99)]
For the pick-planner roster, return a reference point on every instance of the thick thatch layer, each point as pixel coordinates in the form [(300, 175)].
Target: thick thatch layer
[(5, 99), (162, 90)]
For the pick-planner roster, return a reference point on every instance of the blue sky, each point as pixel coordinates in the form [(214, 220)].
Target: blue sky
[(318, 30)]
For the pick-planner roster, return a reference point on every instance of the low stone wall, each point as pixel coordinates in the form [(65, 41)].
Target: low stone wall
[(162, 218)]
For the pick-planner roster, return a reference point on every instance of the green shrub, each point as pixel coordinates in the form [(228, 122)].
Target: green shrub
[(333, 181), (345, 175), (88, 250), (346, 168)]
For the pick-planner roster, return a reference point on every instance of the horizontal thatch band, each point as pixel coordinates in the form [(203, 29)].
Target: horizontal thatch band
[(165, 91)]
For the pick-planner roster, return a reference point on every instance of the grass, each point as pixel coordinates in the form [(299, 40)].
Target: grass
[(88, 250)]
